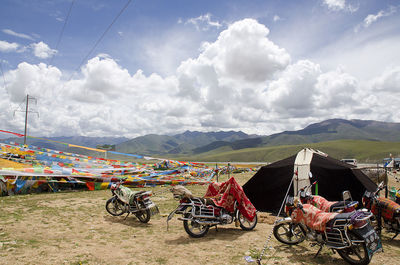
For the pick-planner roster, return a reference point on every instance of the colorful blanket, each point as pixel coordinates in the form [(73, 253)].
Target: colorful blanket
[(312, 217), (226, 193), (321, 203), (388, 207)]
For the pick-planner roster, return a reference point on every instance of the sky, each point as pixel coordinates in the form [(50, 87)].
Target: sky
[(131, 68)]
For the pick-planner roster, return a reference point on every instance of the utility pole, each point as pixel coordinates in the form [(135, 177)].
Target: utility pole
[(26, 117), (26, 114)]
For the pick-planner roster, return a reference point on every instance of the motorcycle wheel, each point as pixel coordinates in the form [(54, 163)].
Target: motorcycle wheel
[(289, 233), (143, 215), (245, 224), (114, 207), (356, 254), (193, 228)]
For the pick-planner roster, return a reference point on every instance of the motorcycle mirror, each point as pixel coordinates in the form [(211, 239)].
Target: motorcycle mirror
[(310, 174)]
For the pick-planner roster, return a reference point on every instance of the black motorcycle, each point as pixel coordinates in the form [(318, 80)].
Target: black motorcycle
[(124, 200)]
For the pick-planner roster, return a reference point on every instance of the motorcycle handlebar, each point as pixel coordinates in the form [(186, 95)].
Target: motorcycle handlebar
[(380, 187), (304, 189)]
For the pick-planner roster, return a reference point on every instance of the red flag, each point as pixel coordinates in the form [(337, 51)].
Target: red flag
[(90, 185)]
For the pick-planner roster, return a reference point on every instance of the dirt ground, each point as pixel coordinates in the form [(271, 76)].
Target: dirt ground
[(74, 228)]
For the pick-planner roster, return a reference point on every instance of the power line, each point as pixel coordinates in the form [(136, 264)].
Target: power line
[(62, 31), (101, 37)]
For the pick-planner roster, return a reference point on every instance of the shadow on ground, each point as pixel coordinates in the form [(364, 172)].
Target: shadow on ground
[(131, 220), (223, 234)]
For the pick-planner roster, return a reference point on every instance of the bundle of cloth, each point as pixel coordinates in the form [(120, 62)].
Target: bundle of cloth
[(226, 193)]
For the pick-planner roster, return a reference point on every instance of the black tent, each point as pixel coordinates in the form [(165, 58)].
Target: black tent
[(267, 188)]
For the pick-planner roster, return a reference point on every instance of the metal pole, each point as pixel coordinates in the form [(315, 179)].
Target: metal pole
[(26, 118)]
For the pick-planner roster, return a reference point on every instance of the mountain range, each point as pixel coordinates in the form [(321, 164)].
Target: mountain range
[(196, 144)]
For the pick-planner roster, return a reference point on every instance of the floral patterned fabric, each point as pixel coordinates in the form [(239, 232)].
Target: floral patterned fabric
[(312, 217), (226, 193), (388, 207), (321, 203)]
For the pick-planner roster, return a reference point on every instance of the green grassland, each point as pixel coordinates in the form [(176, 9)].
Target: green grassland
[(362, 150)]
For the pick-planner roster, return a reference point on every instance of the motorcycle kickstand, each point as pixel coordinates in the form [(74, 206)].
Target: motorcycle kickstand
[(397, 233), (319, 250), (127, 215)]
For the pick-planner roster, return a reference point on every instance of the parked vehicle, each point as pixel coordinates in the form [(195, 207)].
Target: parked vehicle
[(383, 209), (199, 214), (350, 234), (350, 161), (346, 205), (124, 200)]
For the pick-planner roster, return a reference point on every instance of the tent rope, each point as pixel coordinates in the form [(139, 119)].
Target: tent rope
[(276, 219)]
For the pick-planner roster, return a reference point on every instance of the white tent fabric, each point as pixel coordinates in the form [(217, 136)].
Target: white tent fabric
[(302, 168)]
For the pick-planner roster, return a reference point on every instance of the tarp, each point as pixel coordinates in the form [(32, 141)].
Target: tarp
[(267, 188), (226, 193), (312, 217)]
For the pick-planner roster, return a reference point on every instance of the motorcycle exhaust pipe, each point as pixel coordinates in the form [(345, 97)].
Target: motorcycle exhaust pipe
[(200, 221)]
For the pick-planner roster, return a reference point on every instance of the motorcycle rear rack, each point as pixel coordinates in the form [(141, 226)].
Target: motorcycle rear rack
[(336, 235), (201, 210)]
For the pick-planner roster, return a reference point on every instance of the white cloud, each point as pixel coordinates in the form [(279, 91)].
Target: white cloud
[(276, 18), (341, 5), (336, 90), (241, 81), (36, 80), (293, 92), (335, 4), (203, 22), (8, 47), (42, 50), (389, 81), (371, 18), (15, 34), (243, 52)]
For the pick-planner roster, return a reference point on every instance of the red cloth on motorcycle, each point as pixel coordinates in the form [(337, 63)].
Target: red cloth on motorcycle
[(312, 217), (321, 203), (388, 207), (224, 195)]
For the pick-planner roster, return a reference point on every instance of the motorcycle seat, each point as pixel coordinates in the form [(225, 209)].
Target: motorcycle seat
[(205, 201), (138, 193), (343, 216), (340, 205)]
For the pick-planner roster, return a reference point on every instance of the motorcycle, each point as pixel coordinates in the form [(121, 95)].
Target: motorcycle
[(346, 205), (199, 214), (383, 209), (350, 234), (124, 200)]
